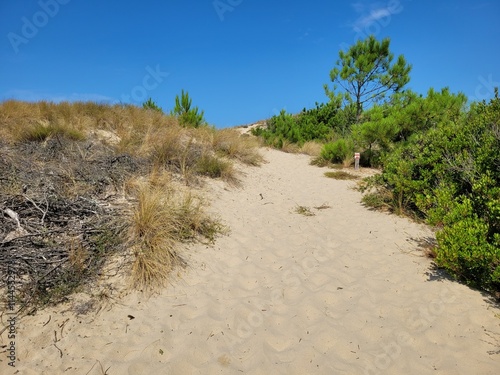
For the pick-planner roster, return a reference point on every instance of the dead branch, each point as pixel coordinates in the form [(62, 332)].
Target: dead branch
[(44, 213)]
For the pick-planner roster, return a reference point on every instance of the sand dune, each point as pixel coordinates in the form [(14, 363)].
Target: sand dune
[(342, 292)]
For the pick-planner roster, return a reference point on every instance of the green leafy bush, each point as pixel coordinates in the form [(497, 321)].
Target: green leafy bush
[(338, 151), (383, 128), (450, 175), (466, 250), (314, 124)]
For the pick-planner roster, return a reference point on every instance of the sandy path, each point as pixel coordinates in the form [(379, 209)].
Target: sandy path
[(341, 292)]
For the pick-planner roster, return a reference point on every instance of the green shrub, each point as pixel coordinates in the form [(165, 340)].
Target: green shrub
[(450, 175), (187, 115), (465, 250), (338, 151), (309, 125), (279, 128)]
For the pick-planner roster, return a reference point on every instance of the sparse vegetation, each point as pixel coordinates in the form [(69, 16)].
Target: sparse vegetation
[(341, 175), (303, 210), (121, 189), (378, 200)]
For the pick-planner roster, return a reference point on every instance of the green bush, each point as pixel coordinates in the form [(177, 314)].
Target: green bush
[(466, 251), (338, 151), (309, 125), (450, 175), (385, 127)]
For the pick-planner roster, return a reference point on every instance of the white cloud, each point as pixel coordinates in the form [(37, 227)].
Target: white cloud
[(373, 16), (371, 12)]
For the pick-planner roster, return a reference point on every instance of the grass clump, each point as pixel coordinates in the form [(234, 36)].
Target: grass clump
[(341, 175), (215, 167), (311, 148), (303, 210), (164, 215), (377, 200), (41, 132), (230, 143), (375, 196)]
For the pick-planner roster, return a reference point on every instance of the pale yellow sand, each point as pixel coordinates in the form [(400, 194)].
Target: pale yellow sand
[(341, 292)]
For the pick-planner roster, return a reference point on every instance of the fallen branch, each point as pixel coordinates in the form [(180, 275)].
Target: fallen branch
[(44, 213)]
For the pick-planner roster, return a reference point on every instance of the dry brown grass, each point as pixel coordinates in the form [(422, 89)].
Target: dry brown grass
[(348, 161), (130, 130), (289, 147), (230, 143), (164, 215), (153, 151), (311, 148), (151, 239)]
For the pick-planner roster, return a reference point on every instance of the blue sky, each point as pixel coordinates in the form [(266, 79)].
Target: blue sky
[(240, 60)]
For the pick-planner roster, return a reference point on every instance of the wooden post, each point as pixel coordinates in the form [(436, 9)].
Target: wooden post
[(356, 160)]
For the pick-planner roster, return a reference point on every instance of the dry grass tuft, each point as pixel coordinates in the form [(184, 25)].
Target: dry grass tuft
[(230, 143), (311, 148), (348, 161), (216, 167), (41, 132), (164, 216), (324, 206), (303, 210), (428, 246), (381, 199), (289, 147)]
